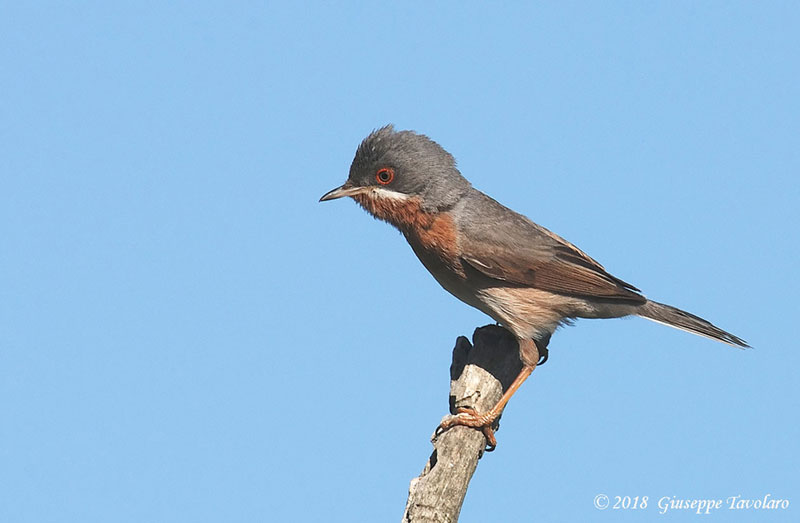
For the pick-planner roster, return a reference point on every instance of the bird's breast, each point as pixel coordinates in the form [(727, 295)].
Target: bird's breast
[(431, 233), (437, 236), (432, 236)]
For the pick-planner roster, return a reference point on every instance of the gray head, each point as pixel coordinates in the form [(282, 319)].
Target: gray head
[(403, 164)]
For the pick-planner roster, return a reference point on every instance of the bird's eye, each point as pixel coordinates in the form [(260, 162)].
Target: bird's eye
[(385, 175)]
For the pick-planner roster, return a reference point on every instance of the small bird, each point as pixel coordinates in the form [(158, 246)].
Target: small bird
[(526, 278)]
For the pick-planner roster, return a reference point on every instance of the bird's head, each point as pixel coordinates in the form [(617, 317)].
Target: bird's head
[(394, 168)]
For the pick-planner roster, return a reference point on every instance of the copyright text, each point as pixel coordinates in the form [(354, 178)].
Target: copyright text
[(666, 504)]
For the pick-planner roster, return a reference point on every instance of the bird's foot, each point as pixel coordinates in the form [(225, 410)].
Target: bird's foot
[(469, 417)]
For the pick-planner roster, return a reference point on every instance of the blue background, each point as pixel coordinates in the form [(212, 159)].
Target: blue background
[(186, 334)]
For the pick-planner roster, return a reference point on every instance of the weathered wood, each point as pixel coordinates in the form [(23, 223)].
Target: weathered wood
[(479, 374)]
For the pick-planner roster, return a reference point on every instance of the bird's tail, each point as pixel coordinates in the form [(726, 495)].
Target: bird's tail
[(683, 320)]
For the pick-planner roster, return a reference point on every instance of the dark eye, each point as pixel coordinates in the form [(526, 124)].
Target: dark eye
[(385, 175)]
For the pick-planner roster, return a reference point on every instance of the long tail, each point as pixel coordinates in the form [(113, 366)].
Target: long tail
[(683, 320)]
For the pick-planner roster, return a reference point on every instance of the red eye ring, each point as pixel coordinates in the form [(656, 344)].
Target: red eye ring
[(385, 175)]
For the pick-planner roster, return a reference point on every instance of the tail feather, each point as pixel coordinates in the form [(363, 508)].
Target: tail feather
[(683, 320)]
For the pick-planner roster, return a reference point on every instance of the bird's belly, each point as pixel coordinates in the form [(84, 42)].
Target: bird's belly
[(527, 312)]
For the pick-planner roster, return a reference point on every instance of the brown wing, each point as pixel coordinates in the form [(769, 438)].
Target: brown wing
[(507, 246)]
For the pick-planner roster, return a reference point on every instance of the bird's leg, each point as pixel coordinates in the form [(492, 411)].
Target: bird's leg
[(469, 417)]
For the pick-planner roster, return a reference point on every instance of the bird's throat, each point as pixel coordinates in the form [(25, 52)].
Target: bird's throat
[(404, 213)]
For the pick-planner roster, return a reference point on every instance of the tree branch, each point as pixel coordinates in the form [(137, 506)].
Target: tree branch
[(478, 376)]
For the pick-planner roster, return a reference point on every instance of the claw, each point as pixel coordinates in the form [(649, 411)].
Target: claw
[(469, 417), (491, 441), (544, 354), (486, 422)]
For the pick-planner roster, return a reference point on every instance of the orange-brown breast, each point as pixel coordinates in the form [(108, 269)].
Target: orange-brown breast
[(432, 233)]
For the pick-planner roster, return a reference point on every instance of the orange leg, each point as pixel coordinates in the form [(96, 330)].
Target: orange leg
[(470, 418)]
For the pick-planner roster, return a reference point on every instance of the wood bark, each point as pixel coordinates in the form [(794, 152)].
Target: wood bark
[(479, 374)]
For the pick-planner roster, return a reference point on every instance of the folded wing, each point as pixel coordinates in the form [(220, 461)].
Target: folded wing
[(506, 246)]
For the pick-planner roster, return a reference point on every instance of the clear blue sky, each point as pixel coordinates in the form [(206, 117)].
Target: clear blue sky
[(186, 334)]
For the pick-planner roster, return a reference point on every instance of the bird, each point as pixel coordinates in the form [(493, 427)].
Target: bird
[(526, 278)]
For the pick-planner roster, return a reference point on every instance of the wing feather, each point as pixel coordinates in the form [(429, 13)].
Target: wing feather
[(513, 249)]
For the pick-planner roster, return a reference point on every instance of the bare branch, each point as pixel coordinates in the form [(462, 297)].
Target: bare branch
[(479, 374)]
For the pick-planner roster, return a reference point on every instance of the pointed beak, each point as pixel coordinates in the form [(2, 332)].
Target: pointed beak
[(339, 192)]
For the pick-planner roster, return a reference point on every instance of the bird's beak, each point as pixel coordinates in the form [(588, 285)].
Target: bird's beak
[(339, 192)]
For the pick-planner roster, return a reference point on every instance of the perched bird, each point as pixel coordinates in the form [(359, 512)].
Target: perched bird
[(525, 277)]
